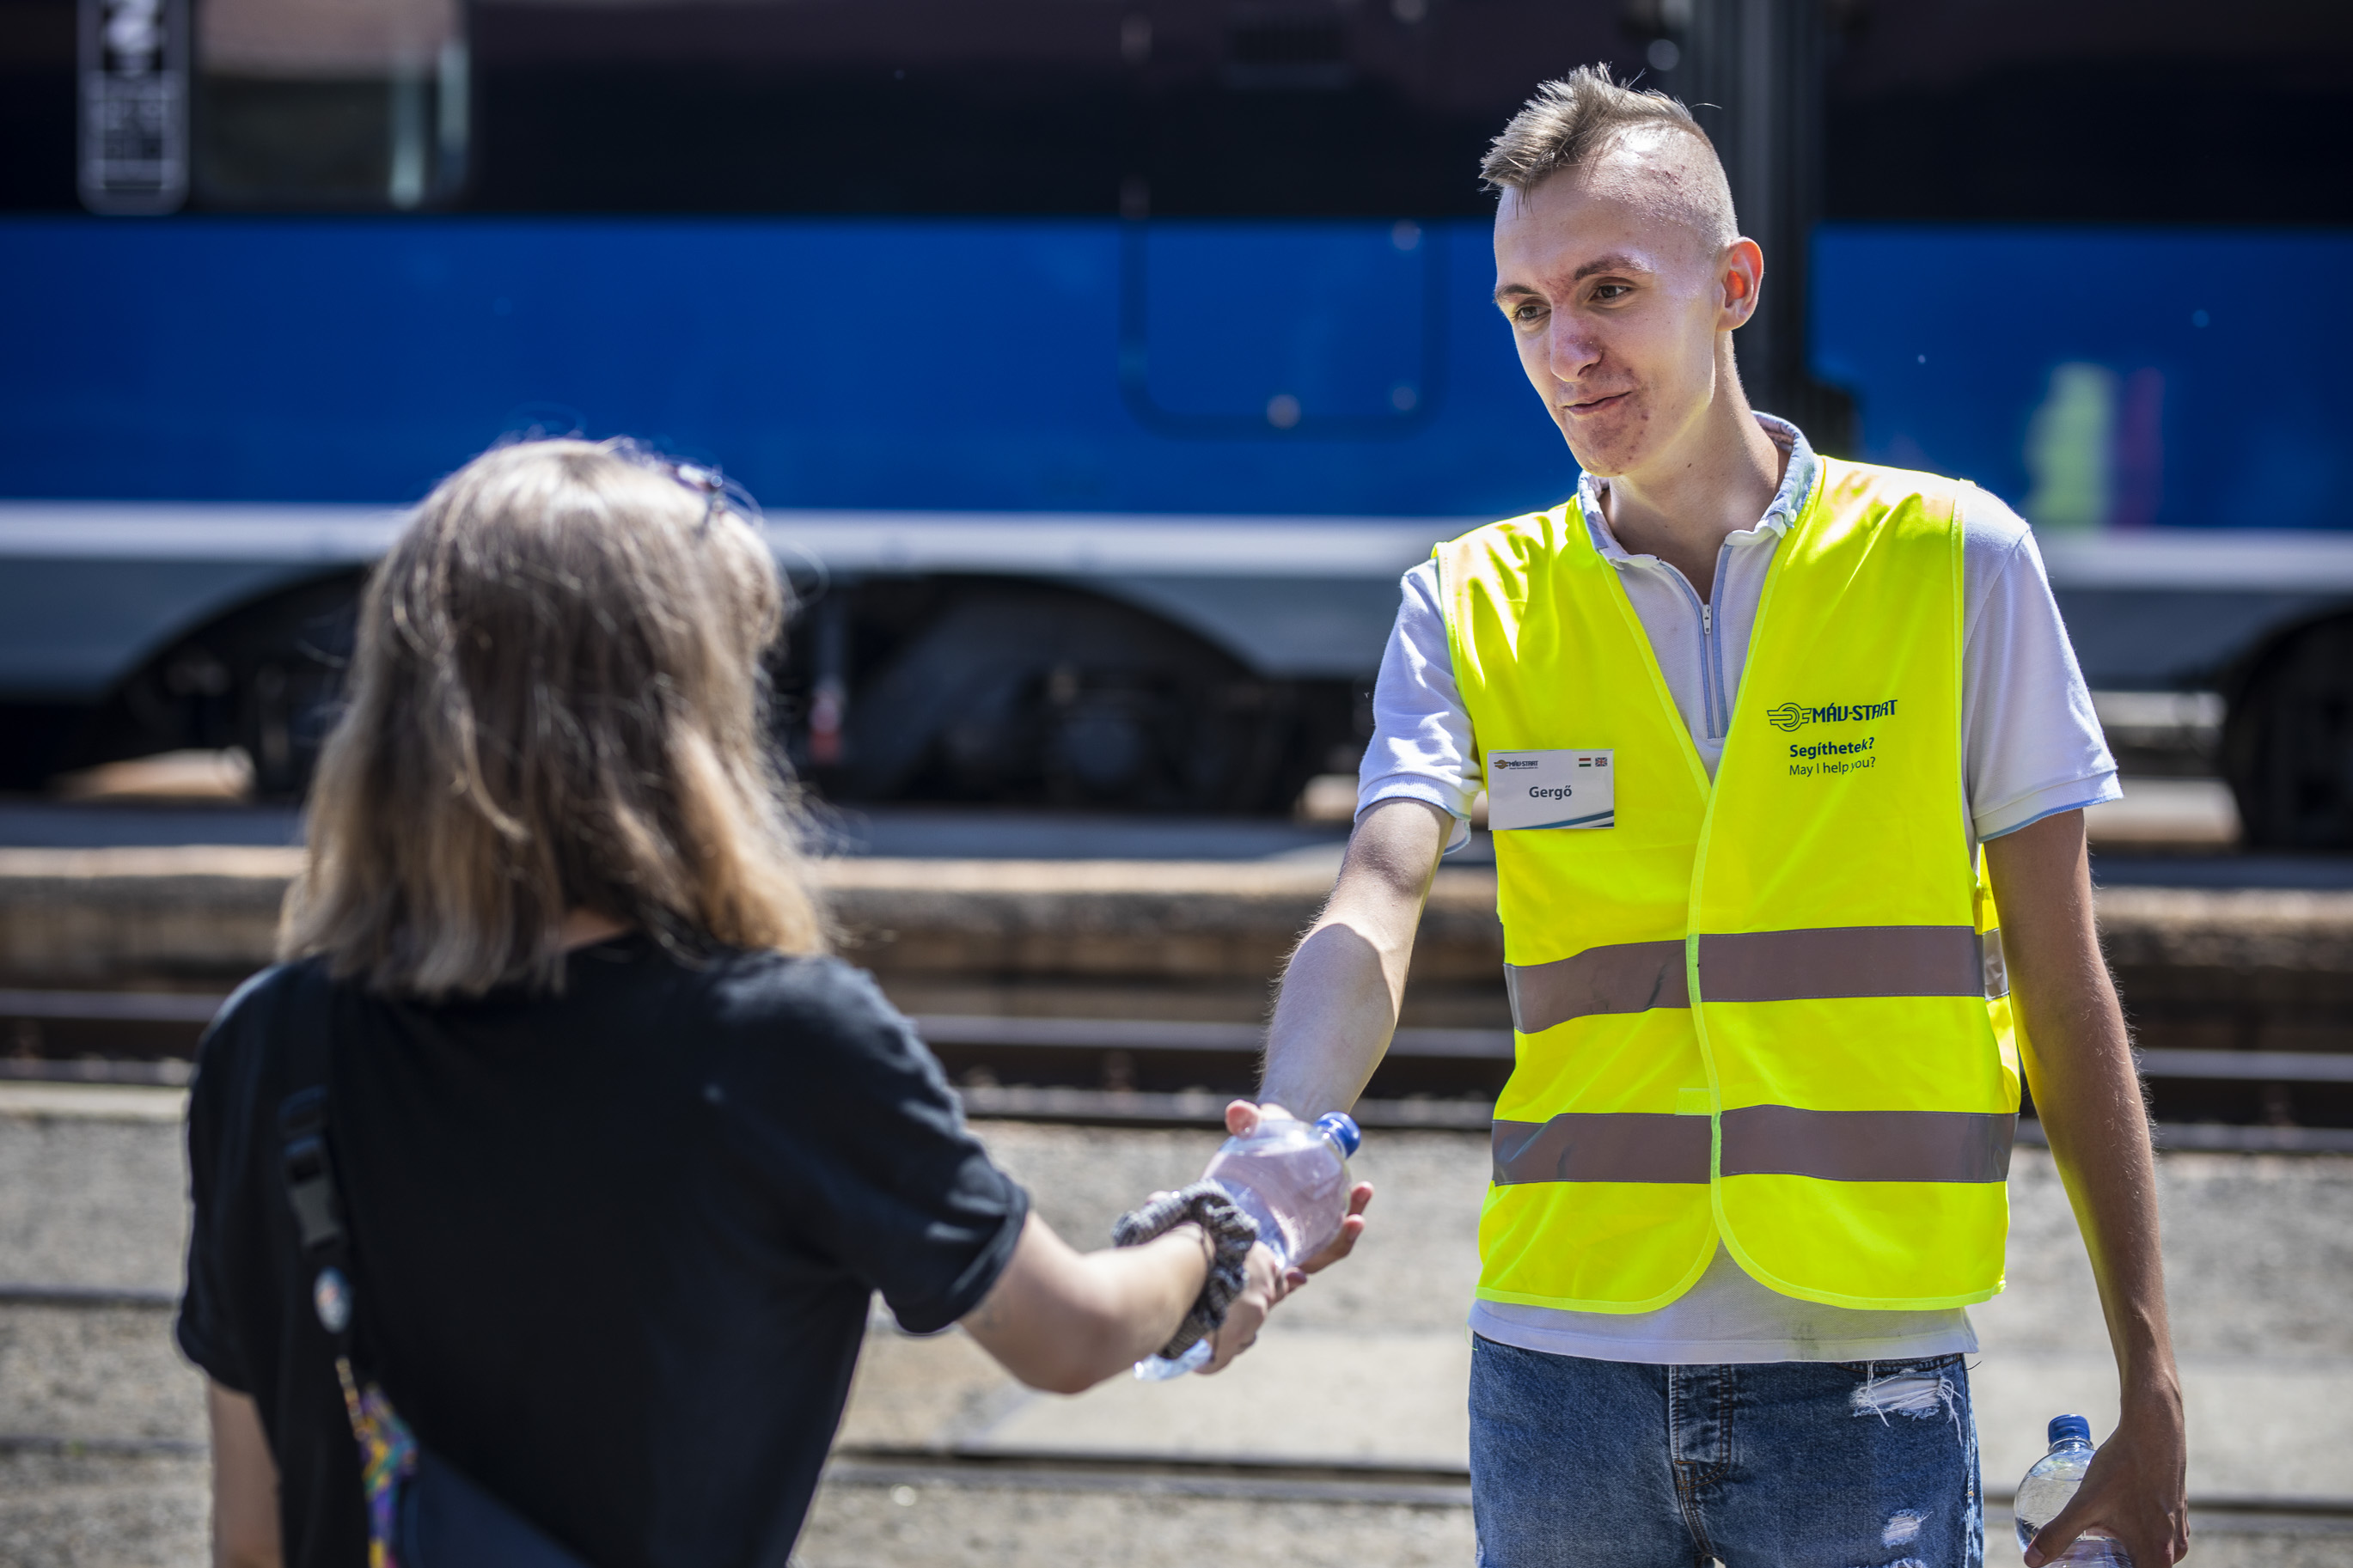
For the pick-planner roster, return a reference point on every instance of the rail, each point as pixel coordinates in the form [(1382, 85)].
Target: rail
[(1454, 1072), (1164, 1035)]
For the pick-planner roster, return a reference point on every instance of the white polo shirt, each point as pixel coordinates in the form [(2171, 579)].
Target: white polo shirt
[(2032, 747)]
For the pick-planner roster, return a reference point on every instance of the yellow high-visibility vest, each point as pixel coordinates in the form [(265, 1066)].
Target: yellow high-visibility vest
[(1767, 1008)]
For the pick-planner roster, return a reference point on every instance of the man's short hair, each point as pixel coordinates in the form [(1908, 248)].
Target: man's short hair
[(1572, 121)]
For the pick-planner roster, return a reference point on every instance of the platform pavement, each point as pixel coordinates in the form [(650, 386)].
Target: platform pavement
[(1365, 1366)]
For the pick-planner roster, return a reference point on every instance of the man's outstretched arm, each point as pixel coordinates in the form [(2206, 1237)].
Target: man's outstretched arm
[(1338, 1004), (2087, 1092)]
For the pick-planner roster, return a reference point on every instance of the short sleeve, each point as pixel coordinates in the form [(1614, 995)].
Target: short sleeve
[(1421, 746), (852, 1118), (2034, 746)]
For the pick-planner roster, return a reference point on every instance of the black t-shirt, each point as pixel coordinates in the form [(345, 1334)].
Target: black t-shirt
[(613, 1250)]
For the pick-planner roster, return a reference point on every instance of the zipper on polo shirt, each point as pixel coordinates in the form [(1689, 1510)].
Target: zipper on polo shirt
[(1711, 646), (1707, 695), (1711, 671)]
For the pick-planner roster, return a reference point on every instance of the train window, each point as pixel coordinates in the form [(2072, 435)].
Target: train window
[(2128, 110), (1300, 54), (1349, 108), (2091, 110), (1373, 109), (342, 103)]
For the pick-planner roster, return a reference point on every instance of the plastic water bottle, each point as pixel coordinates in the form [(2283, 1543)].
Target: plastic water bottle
[(2048, 1486), (1289, 1176)]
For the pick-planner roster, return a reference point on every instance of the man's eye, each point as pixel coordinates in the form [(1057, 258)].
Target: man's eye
[(1607, 292), (1527, 312)]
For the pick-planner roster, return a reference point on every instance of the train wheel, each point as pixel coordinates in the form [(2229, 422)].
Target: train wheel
[(1032, 694), (2288, 744), (266, 679)]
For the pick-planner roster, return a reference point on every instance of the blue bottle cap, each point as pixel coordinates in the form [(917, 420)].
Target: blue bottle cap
[(1342, 1129), (2070, 1428)]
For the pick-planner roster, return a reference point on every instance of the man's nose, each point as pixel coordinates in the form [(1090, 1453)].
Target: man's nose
[(1571, 348)]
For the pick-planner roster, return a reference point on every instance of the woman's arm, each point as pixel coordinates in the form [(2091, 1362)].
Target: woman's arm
[(1064, 1320), (245, 1483)]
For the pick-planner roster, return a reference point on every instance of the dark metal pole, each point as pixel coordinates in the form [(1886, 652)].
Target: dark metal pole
[(1754, 76)]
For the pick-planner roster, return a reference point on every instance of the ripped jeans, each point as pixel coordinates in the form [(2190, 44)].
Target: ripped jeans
[(1597, 1464)]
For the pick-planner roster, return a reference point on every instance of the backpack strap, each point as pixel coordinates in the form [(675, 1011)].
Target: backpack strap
[(307, 1161), (388, 1452)]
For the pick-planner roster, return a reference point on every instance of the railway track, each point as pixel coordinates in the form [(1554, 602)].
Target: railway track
[(1179, 1072), (1431, 1487)]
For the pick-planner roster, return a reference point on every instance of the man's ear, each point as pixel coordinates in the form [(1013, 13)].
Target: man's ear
[(1741, 273)]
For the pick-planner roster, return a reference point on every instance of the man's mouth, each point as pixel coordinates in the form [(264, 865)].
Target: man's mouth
[(1594, 405)]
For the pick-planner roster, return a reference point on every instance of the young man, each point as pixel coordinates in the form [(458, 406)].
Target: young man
[(1746, 717)]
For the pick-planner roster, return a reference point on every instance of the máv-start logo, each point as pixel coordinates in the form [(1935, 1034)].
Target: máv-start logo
[(1791, 716)]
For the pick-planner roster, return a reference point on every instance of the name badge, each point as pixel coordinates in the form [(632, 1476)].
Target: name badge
[(1551, 789)]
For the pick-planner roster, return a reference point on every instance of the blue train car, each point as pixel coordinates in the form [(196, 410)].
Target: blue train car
[(1098, 370), (1120, 506)]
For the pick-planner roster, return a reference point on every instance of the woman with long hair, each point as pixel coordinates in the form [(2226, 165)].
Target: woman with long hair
[(556, 1156)]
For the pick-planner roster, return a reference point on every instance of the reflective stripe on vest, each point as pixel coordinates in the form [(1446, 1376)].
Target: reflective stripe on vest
[(1759, 966), (1759, 1141), (1767, 1009)]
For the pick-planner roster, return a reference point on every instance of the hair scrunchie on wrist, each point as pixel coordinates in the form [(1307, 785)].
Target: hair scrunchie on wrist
[(1231, 1233)]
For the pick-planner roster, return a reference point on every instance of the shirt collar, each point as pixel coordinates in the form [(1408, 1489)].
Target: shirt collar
[(1797, 484)]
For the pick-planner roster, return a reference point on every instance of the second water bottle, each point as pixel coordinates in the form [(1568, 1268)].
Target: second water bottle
[(2052, 1483)]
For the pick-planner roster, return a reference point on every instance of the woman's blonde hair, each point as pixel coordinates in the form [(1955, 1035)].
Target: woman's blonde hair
[(556, 702)]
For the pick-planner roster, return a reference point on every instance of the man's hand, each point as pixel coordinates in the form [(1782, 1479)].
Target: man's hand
[(1264, 1285), (2133, 1491), (1242, 1120)]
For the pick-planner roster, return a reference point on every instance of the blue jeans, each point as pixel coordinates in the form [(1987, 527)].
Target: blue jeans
[(1601, 1464)]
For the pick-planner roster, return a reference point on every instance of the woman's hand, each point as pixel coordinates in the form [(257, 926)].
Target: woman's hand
[(1263, 1284)]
